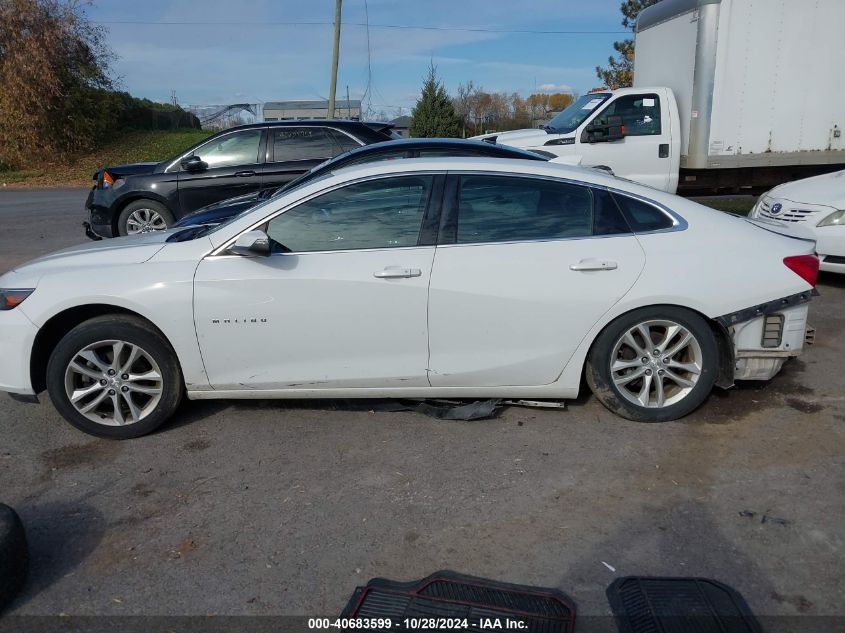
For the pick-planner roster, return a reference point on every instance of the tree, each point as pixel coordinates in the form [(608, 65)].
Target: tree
[(620, 71), (434, 114), (53, 68), (560, 101)]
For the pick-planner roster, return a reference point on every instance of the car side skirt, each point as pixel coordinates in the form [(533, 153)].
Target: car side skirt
[(554, 391)]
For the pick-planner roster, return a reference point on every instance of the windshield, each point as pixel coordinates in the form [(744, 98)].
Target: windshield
[(279, 193), (569, 120)]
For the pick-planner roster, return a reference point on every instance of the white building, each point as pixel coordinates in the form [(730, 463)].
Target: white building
[(296, 110)]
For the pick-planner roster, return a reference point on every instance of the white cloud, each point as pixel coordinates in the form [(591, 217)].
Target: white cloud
[(555, 88)]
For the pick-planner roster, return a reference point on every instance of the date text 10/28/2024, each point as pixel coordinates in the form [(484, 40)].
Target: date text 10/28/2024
[(417, 624)]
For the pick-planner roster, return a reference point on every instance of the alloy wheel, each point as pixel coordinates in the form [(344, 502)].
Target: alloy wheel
[(145, 221), (113, 382), (656, 363)]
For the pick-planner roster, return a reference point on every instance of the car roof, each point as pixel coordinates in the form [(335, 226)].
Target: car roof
[(520, 166), (445, 143), (339, 123)]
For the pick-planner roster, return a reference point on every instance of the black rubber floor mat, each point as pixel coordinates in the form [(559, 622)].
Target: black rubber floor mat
[(645, 604), (449, 595)]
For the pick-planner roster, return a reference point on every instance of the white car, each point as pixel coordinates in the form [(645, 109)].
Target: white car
[(812, 208), (450, 277)]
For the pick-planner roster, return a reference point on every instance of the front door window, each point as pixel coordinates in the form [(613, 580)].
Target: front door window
[(238, 148), (384, 213)]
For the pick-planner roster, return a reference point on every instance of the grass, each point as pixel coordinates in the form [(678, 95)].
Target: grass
[(128, 147), (732, 204)]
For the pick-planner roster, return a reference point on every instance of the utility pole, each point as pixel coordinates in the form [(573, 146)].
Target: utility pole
[(348, 107), (335, 54)]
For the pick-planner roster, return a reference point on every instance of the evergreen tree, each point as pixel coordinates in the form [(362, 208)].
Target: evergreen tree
[(620, 71), (434, 114)]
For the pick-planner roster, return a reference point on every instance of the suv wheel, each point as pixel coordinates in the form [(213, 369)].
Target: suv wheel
[(144, 216)]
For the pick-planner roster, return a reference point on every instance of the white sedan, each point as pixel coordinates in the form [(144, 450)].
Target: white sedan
[(450, 277), (812, 208)]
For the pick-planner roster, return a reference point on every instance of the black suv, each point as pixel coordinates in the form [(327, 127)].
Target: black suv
[(221, 211), (145, 197)]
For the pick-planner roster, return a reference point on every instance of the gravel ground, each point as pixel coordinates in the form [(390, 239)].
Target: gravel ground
[(267, 508)]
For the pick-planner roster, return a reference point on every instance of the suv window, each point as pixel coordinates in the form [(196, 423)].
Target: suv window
[(640, 114), (344, 142), (384, 213), (304, 143), (642, 216), (506, 208), (237, 148)]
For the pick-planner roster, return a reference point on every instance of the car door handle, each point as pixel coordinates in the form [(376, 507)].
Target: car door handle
[(594, 264), (244, 174), (396, 272)]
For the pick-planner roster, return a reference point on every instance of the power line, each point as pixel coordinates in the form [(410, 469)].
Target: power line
[(363, 25)]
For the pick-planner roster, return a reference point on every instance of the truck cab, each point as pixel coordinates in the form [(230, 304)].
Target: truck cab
[(634, 131)]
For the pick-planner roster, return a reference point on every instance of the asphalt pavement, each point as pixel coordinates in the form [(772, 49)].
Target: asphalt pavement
[(262, 508)]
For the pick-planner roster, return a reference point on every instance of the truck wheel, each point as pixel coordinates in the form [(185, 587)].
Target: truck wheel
[(143, 216), (14, 555), (114, 376), (653, 364)]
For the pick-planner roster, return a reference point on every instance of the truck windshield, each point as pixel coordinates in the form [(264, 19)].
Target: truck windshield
[(568, 120)]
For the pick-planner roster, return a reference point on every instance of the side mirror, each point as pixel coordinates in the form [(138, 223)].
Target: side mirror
[(251, 244), (193, 163), (611, 130)]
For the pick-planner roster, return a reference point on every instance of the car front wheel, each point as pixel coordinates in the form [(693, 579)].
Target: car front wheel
[(114, 376), (654, 364)]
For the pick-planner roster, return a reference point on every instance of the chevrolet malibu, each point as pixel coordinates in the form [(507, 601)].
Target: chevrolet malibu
[(447, 277)]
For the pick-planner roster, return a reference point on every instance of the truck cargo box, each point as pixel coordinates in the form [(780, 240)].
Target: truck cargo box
[(758, 83)]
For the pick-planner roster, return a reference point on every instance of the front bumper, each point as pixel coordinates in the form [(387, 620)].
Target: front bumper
[(832, 264), (17, 336), (99, 224), (90, 233)]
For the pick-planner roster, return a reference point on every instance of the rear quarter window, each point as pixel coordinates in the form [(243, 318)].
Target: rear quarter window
[(642, 216)]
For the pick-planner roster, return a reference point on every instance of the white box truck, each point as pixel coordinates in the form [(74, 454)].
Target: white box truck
[(728, 95)]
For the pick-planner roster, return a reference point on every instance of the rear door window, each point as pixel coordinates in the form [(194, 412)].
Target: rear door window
[(508, 209), (303, 143)]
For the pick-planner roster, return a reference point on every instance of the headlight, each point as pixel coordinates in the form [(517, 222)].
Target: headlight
[(560, 141), (110, 182), (13, 297), (837, 218)]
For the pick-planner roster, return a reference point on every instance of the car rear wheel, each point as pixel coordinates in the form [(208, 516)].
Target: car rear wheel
[(144, 216), (114, 376), (654, 364)]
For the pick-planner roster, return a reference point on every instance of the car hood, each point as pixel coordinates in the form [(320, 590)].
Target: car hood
[(518, 138), (133, 249), (826, 190), (131, 169)]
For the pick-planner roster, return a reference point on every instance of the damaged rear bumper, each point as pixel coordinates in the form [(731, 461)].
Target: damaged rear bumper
[(766, 335)]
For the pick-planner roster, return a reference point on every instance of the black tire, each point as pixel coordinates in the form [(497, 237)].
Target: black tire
[(132, 330), (144, 203), (598, 367), (14, 555)]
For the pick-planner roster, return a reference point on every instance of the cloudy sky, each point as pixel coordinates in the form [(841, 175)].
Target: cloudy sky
[(226, 51)]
